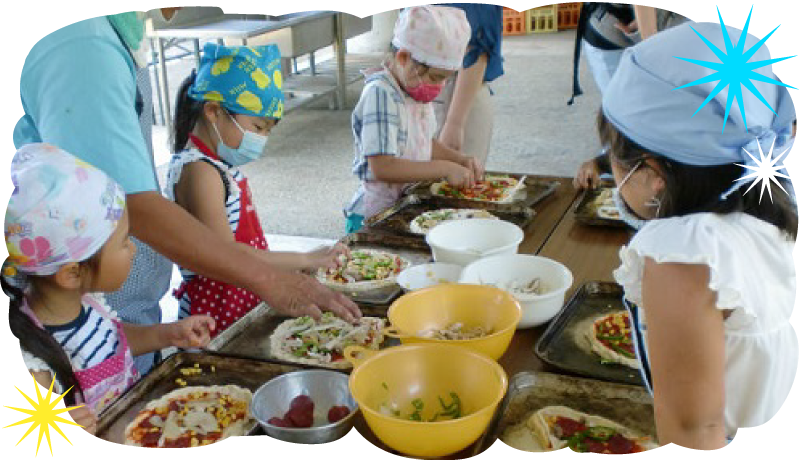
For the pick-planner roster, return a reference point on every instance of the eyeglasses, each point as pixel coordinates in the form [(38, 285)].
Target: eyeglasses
[(630, 173)]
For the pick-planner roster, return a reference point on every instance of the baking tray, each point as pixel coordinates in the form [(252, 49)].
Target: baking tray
[(586, 208), (561, 346), (534, 190), (250, 336), (397, 218), (528, 392), (228, 370), (375, 302)]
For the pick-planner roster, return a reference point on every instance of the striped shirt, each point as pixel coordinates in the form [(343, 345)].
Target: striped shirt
[(380, 127), (88, 340), (231, 178)]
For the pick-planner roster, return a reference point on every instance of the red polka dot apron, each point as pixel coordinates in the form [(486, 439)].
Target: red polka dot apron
[(224, 302), (104, 382)]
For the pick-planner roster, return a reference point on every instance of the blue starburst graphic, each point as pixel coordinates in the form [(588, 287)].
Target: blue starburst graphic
[(734, 71)]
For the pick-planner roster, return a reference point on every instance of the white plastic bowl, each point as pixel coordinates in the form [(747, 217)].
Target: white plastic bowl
[(426, 275), (461, 242), (504, 269)]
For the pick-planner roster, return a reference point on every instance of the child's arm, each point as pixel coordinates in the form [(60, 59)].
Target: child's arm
[(686, 349), (442, 152), (388, 168), (191, 332), (81, 415)]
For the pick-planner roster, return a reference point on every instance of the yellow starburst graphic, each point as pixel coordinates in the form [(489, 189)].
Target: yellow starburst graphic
[(44, 415)]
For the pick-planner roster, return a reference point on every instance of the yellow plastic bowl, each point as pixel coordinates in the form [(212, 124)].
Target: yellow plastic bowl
[(397, 376), (440, 306)]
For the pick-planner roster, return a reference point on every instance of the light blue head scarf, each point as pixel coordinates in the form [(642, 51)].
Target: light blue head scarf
[(642, 102), (244, 79)]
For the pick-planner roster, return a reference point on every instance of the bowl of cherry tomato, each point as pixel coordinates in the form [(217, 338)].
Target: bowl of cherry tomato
[(305, 407)]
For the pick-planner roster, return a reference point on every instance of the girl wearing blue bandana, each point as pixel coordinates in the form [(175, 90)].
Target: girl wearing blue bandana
[(224, 114), (711, 267)]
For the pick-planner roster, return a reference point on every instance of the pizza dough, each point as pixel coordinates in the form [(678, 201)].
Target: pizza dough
[(366, 270), (614, 325), (192, 416), (425, 222), (556, 427), (321, 343), (493, 189)]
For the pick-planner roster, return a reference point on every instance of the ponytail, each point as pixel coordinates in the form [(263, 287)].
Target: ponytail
[(39, 342), (187, 112)]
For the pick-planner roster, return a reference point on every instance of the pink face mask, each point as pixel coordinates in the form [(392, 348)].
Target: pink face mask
[(425, 92)]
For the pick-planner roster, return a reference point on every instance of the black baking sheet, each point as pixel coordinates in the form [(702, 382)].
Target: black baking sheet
[(562, 344)]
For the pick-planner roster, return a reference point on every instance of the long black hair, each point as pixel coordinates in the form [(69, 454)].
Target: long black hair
[(693, 189), (187, 113), (36, 340), (33, 338)]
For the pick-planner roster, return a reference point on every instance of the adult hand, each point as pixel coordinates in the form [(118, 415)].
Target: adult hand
[(297, 294), (588, 175)]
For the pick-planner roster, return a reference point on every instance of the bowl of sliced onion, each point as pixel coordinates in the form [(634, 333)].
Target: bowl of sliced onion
[(539, 284)]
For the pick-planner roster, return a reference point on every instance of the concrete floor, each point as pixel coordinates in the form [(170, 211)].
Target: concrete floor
[(301, 185)]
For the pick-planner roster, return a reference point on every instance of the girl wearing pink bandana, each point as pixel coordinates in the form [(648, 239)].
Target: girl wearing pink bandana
[(66, 230), (394, 124)]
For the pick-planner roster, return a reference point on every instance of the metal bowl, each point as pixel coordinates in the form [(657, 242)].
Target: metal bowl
[(326, 388)]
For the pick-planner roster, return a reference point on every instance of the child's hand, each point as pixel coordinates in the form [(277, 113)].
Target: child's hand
[(588, 175), (85, 418), (191, 332), (327, 257), (474, 165), (460, 177)]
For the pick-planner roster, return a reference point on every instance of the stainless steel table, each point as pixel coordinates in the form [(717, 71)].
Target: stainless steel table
[(242, 28)]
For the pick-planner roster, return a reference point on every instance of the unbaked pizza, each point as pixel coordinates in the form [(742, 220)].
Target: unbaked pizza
[(556, 427), (366, 269), (610, 337), (192, 416), (423, 223), (321, 343), (495, 189)]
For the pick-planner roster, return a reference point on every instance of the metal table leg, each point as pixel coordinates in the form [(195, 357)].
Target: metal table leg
[(312, 63), (162, 62), (196, 43), (156, 62), (341, 76)]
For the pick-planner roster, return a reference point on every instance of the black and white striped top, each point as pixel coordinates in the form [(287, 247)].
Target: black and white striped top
[(87, 340)]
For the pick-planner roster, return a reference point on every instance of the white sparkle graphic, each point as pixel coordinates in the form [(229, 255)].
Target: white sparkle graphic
[(765, 171)]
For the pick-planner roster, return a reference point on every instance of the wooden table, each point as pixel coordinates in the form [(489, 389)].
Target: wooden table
[(591, 253)]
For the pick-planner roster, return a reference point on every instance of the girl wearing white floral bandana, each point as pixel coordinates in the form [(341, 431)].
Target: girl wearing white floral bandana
[(66, 230)]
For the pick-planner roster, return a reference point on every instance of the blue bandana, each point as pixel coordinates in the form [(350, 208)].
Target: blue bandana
[(641, 103), (245, 80)]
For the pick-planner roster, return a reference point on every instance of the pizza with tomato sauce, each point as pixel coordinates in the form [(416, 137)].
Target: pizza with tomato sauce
[(610, 337), (556, 427), (494, 189), (192, 416), (321, 343)]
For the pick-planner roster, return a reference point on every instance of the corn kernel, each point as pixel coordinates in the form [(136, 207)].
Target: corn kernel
[(213, 368), (195, 442)]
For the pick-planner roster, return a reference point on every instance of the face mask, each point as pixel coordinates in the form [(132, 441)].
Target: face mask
[(424, 92), (625, 212), (252, 147)]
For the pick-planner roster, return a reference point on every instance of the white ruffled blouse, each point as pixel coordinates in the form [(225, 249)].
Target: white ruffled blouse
[(753, 274)]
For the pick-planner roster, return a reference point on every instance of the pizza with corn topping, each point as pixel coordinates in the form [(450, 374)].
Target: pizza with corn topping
[(493, 188), (192, 416), (610, 337)]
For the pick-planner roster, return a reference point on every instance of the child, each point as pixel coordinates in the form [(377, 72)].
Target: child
[(712, 267), (62, 253), (394, 124), (223, 116)]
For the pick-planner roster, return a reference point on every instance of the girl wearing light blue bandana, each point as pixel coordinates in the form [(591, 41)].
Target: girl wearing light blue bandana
[(711, 269), (224, 114)]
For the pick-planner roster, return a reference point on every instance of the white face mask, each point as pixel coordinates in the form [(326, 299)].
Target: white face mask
[(624, 211), (250, 149)]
